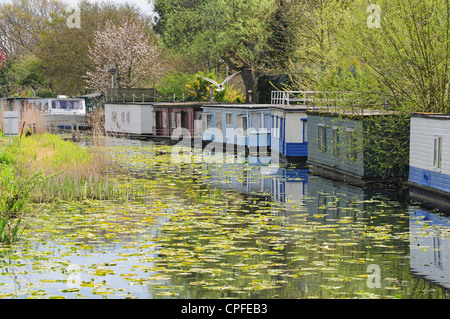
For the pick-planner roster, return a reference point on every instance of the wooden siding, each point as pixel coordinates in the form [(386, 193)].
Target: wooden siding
[(129, 118), (163, 118), (423, 131), (422, 171), (296, 149), (429, 178), (340, 162)]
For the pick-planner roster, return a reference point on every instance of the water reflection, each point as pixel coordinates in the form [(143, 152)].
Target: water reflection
[(242, 229), (332, 203), (430, 246)]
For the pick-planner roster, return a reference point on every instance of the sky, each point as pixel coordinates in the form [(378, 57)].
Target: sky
[(143, 4)]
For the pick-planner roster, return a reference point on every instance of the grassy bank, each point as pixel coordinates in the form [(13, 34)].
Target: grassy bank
[(43, 168)]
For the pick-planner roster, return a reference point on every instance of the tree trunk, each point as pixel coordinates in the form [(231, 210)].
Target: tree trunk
[(248, 77)]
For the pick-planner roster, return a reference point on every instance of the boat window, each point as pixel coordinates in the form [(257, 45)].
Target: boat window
[(69, 105), (219, 120), (62, 105), (351, 145), (229, 119), (322, 138), (242, 125), (437, 162), (206, 121), (256, 120), (335, 140)]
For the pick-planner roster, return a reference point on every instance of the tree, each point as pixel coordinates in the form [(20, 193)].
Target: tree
[(317, 52), (64, 51), (234, 31), (407, 48), (27, 72), (125, 47), (3, 58), (22, 22)]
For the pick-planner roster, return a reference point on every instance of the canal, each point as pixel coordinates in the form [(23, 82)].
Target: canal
[(230, 228)]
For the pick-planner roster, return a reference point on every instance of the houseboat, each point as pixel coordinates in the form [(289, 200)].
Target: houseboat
[(364, 147), (129, 119), (429, 168), (62, 105), (60, 112), (245, 126), (170, 116), (289, 139)]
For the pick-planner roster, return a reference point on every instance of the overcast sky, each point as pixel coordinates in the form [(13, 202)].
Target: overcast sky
[(143, 4)]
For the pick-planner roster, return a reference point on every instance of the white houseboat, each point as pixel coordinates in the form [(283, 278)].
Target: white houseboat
[(429, 168)]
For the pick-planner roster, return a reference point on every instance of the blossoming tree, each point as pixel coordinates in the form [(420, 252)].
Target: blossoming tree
[(3, 58), (127, 48)]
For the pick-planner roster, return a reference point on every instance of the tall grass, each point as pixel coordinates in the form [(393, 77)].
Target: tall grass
[(15, 190), (43, 167), (74, 172)]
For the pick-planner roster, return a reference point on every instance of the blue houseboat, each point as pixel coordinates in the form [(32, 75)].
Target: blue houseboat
[(289, 137), (429, 168), (246, 126)]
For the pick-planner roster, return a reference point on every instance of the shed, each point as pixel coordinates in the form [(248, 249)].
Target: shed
[(243, 125), (134, 119), (429, 168)]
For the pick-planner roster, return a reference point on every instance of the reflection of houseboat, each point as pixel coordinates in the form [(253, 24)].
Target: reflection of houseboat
[(244, 174), (243, 125), (429, 248), (289, 185), (429, 168)]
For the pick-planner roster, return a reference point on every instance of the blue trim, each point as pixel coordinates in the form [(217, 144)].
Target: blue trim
[(304, 121), (432, 219), (429, 178), (296, 149)]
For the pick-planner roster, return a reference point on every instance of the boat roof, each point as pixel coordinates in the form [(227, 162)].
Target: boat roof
[(236, 106), (437, 116)]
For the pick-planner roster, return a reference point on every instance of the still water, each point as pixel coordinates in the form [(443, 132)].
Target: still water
[(242, 229)]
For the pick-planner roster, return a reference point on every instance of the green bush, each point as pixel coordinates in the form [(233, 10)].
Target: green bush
[(194, 88), (15, 190), (6, 159)]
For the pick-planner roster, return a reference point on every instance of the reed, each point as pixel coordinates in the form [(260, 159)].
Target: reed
[(75, 172)]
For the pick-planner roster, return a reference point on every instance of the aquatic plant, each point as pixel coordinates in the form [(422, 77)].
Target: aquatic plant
[(15, 190)]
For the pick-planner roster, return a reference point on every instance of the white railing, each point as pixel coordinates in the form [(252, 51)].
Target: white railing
[(337, 101)]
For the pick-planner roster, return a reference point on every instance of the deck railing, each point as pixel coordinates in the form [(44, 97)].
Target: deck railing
[(347, 102)]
